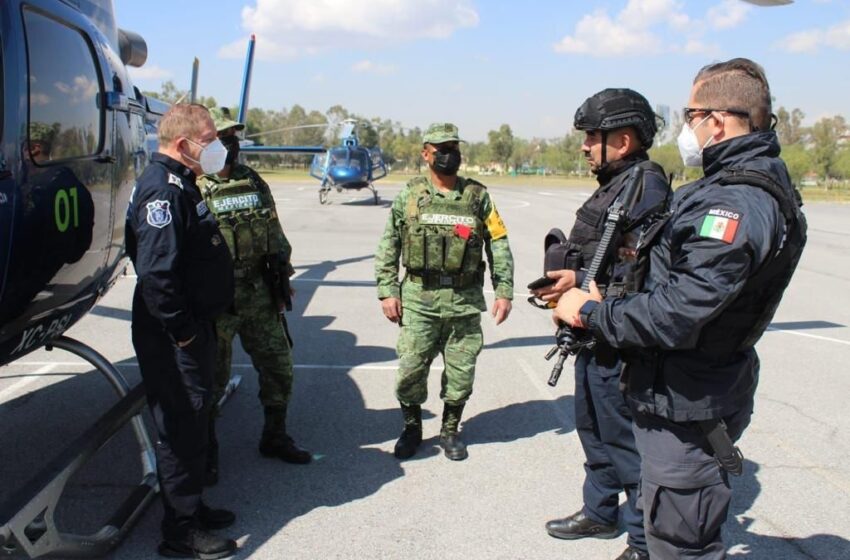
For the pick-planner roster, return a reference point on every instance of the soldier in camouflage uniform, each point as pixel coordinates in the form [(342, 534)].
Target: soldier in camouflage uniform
[(440, 228), (245, 210)]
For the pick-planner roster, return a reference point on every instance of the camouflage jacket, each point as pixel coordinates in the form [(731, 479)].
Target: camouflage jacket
[(444, 301)]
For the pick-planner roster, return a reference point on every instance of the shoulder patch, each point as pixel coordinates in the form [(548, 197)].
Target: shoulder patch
[(495, 225), (159, 213), (175, 180), (721, 224)]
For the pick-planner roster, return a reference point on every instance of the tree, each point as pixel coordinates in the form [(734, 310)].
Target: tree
[(798, 160), (789, 126), (668, 157), (842, 164), (501, 144), (825, 134)]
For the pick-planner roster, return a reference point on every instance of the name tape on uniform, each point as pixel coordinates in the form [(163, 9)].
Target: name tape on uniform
[(446, 220), (236, 202)]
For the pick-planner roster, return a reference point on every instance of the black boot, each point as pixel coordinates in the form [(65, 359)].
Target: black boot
[(197, 543), (411, 437), (211, 473), (450, 440), (275, 442)]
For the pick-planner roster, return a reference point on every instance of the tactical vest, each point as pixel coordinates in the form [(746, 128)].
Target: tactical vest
[(590, 218), (748, 316), (443, 236), (248, 228)]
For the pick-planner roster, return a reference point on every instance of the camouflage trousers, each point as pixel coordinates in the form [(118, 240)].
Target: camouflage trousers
[(458, 339), (259, 327)]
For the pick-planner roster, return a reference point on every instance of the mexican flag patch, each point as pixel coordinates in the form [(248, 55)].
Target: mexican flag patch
[(720, 224)]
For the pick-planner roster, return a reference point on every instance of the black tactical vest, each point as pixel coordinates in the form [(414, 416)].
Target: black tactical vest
[(590, 218)]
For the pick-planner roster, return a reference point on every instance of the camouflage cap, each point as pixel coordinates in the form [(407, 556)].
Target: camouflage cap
[(222, 119), (438, 133)]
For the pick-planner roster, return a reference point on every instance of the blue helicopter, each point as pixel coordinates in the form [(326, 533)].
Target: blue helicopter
[(348, 166)]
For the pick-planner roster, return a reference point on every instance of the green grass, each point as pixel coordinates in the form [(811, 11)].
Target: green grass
[(840, 194)]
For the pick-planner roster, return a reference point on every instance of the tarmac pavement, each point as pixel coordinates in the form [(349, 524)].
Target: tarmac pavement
[(525, 461)]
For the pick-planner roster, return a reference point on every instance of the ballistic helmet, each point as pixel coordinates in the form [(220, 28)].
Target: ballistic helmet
[(612, 108)]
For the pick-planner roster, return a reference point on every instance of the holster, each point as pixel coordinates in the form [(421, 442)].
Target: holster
[(728, 456)]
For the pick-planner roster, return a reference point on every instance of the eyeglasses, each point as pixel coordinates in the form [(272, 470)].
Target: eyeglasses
[(688, 112)]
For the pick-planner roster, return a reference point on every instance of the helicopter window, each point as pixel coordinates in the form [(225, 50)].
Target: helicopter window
[(65, 121), (339, 157)]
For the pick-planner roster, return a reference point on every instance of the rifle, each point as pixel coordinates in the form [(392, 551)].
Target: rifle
[(277, 278), (569, 341)]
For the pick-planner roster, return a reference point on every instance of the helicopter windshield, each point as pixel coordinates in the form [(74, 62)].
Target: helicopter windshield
[(338, 156)]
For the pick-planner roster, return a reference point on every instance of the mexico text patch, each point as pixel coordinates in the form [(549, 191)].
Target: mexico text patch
[(720, 224)]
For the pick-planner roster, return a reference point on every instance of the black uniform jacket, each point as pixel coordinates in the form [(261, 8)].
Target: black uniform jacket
[(701, 267), (184, 269)]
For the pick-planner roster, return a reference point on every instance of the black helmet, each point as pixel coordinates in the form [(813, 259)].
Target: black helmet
[(612, 108)]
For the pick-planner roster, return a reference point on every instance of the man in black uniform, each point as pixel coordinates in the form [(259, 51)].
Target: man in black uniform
[(619, 127), (719, 266), (185, 279)]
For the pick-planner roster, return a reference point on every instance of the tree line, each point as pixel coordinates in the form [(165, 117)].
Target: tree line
[(814, 154)]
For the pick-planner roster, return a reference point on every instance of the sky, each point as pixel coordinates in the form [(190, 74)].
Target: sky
[(480, 63)]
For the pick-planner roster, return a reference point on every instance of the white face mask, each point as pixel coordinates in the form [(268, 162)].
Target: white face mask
[(213, 156), (689, 147)]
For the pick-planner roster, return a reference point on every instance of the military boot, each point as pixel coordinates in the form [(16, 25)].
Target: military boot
[(411, 437), (211, 472), (275, 442), (450, 440)]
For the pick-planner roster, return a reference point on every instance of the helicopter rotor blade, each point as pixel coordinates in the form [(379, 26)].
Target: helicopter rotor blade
[(286, 128)]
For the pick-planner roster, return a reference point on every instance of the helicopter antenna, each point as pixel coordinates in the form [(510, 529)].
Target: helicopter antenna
[(193, 90)]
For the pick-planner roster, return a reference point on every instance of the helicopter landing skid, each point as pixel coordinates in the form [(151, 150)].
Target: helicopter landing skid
[(323, 194), (374, 193), (27, 523)]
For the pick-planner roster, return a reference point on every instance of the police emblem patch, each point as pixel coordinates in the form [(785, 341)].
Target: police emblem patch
[(159, 213)]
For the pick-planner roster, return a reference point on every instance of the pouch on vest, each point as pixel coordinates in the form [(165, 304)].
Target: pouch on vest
[(244, 240), (434, 251), (260, 233), (455, 250), (227, 234), (413, 249), (559, 253)]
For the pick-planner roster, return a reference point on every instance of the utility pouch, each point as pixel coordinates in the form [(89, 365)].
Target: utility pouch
[(227, 234), (455, 251), (559, 253), (413, 249), (260, 234), (434, 252), (244, 240)]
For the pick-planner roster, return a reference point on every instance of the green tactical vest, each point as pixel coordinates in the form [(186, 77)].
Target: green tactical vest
[(433, 236), (247, 226)]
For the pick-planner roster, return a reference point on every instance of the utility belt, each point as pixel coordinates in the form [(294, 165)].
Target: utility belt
[(248, 270), (432, 280)]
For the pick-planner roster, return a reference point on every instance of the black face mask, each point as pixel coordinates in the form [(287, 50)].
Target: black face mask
[(446, 161), (231, 143)]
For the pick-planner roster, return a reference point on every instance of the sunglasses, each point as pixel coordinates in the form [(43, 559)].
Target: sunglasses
[(689, 112)]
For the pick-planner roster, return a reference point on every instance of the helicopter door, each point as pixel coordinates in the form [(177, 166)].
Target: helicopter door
[(58, 244), (7, 193)]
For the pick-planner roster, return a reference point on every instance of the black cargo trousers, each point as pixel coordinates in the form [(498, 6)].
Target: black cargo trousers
[(684, 493), (178, 383)]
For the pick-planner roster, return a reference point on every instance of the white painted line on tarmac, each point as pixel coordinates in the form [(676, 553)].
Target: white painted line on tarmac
[(18, 386), (815, 336), (545, 391)]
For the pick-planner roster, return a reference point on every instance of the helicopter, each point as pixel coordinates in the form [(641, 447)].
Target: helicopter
[(74, 134), (348, 166)]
